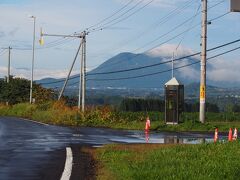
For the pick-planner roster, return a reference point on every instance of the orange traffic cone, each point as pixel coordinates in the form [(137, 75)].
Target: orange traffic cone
[(230, 135), (148, 124), (235, 134), (216, 135)]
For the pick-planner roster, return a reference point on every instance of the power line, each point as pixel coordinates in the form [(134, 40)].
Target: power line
[(148, 66), (54, 44), (172, 30), (174, 37), (161, 21), (112, 15), (166, 18), (156, 64), (61, 41), (143, 67), (64, 41), (167, 40), (218, 17), (184, 35), (178, 26), (3, 52), (111, 23), (151, 74)]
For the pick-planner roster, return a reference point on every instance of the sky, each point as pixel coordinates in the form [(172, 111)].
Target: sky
[(115, 26)]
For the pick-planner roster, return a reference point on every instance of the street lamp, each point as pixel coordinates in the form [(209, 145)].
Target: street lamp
[(33, 49)]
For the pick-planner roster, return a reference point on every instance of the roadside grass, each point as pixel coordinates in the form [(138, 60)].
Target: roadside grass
[(57, 113), (152, 161)]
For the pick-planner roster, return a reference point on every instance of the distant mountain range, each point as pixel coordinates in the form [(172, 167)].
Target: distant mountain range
[(135, 79), (128, 61)]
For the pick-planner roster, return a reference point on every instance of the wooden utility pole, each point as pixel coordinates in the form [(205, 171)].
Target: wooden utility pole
[(80, 78), (33, 57), (9, 64), (82, 83), (203, 63), (83, 73), (9, 57)]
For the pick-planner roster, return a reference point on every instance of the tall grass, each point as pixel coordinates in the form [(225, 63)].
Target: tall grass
[(58, 113), (205, 161)]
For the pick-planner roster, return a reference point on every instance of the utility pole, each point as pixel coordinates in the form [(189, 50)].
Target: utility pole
[(82, 82), (9, 63), (202, 106), (80, 78), (83, 89), (33, 56), (9, 66)]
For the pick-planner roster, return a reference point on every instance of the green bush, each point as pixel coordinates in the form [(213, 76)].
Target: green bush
[(22, 110)]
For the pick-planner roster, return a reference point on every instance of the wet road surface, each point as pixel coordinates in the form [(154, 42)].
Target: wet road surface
[(29, 150)]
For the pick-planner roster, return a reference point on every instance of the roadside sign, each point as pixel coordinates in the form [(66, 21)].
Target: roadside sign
[(202, 94), (235, 6)]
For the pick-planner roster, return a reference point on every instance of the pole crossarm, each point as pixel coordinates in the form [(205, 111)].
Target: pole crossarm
[(62, 35), (81, 35)]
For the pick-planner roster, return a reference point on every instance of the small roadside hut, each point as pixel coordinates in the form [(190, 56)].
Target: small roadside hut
[(174, 101)]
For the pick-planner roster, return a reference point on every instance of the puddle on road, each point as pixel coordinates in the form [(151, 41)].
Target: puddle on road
[(161, 138)]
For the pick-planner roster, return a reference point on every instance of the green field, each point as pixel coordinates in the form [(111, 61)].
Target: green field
[(204, 161), (57, 113)]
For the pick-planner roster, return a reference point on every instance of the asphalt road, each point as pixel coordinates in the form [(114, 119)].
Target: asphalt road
[(29, 150)]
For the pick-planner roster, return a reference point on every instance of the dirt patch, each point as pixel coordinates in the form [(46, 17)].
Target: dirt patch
[(84, 165)]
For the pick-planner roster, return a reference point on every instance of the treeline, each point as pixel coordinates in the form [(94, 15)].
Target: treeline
[(18, 91), (137, 104)]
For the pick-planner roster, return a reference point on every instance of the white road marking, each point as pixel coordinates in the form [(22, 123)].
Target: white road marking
[(35, 121), (68, 165)]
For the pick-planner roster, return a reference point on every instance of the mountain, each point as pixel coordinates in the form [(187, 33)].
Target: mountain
[(129, 60), (160, 74)]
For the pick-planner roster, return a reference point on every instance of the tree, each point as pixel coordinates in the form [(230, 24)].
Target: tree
[(17, 91)]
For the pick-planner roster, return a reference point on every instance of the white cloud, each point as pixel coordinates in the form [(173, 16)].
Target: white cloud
[(188, 72), (38, 73), (226, 70), (167, 50)]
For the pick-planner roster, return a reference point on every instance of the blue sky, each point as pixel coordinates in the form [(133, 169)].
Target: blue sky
[(129, 35), (13, 1)]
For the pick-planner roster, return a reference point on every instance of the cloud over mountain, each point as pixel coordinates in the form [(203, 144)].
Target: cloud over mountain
[(167, 50), (226, 70), (38, 73)]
